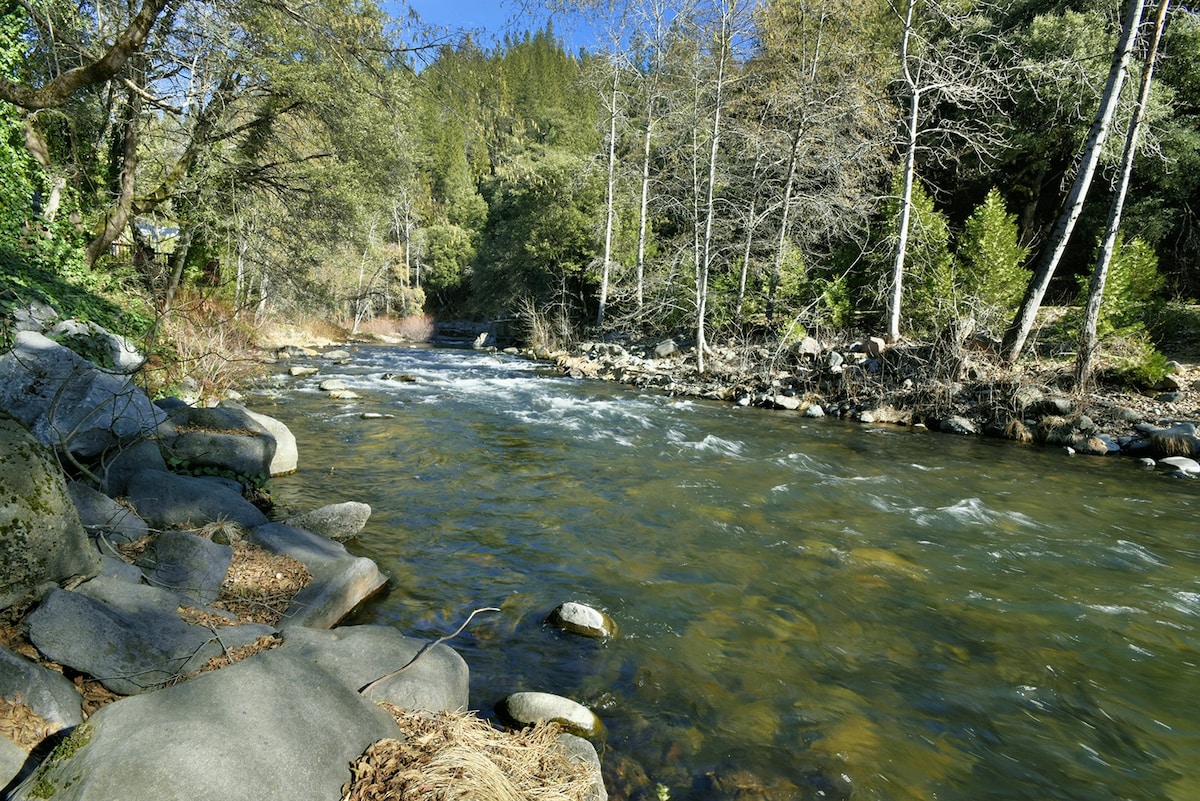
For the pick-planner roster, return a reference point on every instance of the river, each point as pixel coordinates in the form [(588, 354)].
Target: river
[(808, 608)]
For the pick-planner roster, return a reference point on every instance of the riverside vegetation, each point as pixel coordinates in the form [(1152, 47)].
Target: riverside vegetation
[(854, 211)]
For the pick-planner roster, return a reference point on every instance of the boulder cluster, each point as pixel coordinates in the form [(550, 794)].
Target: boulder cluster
[(938, 388), (160, 636)]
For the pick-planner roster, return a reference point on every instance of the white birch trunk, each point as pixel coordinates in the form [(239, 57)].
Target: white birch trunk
[(610, 200), (1088, 336), (910, 159), (1022, 324)]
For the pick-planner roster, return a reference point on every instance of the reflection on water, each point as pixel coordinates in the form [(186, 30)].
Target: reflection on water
[(807, 609)]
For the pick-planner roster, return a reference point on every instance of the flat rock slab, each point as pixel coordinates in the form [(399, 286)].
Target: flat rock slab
[(438, 679), (130, 637), (117, 467), (341, 581), (273, 727), (167, 500)]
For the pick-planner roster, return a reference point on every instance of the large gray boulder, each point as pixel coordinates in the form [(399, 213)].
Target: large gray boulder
[(337, 521), (340, 580), (41, 537), (69, 403), (287, 456), (274, 727), (167, 500), (223, 439), (131, 637), (102, 517), (436, 678)]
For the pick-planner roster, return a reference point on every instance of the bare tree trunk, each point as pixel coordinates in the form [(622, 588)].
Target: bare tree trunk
[(910, 161), (35, 143), (710, 209), (1022, 324), (175, 268), (1087, 336), (121, 210), (643, 212), (750, 214), (789, 186), (610, 199)]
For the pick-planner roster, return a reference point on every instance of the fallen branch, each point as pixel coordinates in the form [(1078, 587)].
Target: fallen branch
[(425, 649)]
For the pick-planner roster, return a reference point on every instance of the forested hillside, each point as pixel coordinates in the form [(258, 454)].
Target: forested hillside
[(719, 168)]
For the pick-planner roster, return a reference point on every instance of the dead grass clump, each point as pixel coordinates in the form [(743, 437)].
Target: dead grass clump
[(19, 723), (95, 695), (1163, 444), (1054, 430), (451, 756), (259, 585), (131, 552), (211, 344), (225, 532), (413, 328), (1017, 431)]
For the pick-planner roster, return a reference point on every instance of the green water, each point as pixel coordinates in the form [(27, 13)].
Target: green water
[(807, 609)]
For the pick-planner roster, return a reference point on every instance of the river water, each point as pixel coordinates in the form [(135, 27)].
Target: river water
[(807, 609)]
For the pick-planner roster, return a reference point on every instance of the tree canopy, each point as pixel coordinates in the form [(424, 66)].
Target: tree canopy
[(720, 167)]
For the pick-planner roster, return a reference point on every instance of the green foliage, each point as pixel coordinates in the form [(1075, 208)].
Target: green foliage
[(79, 737), (448, 251), (539, 238), (1135, 360), (991, 258), (1130, 290), (257, 484), (930, 300), (837, 303)]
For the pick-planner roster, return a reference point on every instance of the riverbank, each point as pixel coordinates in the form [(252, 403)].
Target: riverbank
[(951, 390), (164, 638)]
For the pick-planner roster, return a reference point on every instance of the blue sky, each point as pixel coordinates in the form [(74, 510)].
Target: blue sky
[(492, 16)]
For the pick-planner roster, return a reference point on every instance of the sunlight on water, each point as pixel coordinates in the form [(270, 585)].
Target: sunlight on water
[(807, 609)]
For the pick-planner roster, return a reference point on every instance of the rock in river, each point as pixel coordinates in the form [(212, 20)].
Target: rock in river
[(579, 618)]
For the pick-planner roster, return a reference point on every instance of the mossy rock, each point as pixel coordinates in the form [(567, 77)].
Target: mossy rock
[(41, 537)]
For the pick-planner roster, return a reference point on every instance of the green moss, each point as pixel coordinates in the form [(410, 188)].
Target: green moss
[(43, 786)]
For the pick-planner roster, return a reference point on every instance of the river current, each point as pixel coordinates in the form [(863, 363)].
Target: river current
[(807, 608)]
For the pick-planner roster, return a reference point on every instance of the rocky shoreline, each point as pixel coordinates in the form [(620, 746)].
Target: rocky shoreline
[(163, 638), (868, 382)]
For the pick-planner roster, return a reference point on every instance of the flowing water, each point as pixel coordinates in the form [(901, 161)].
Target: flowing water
[(807, 609)]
